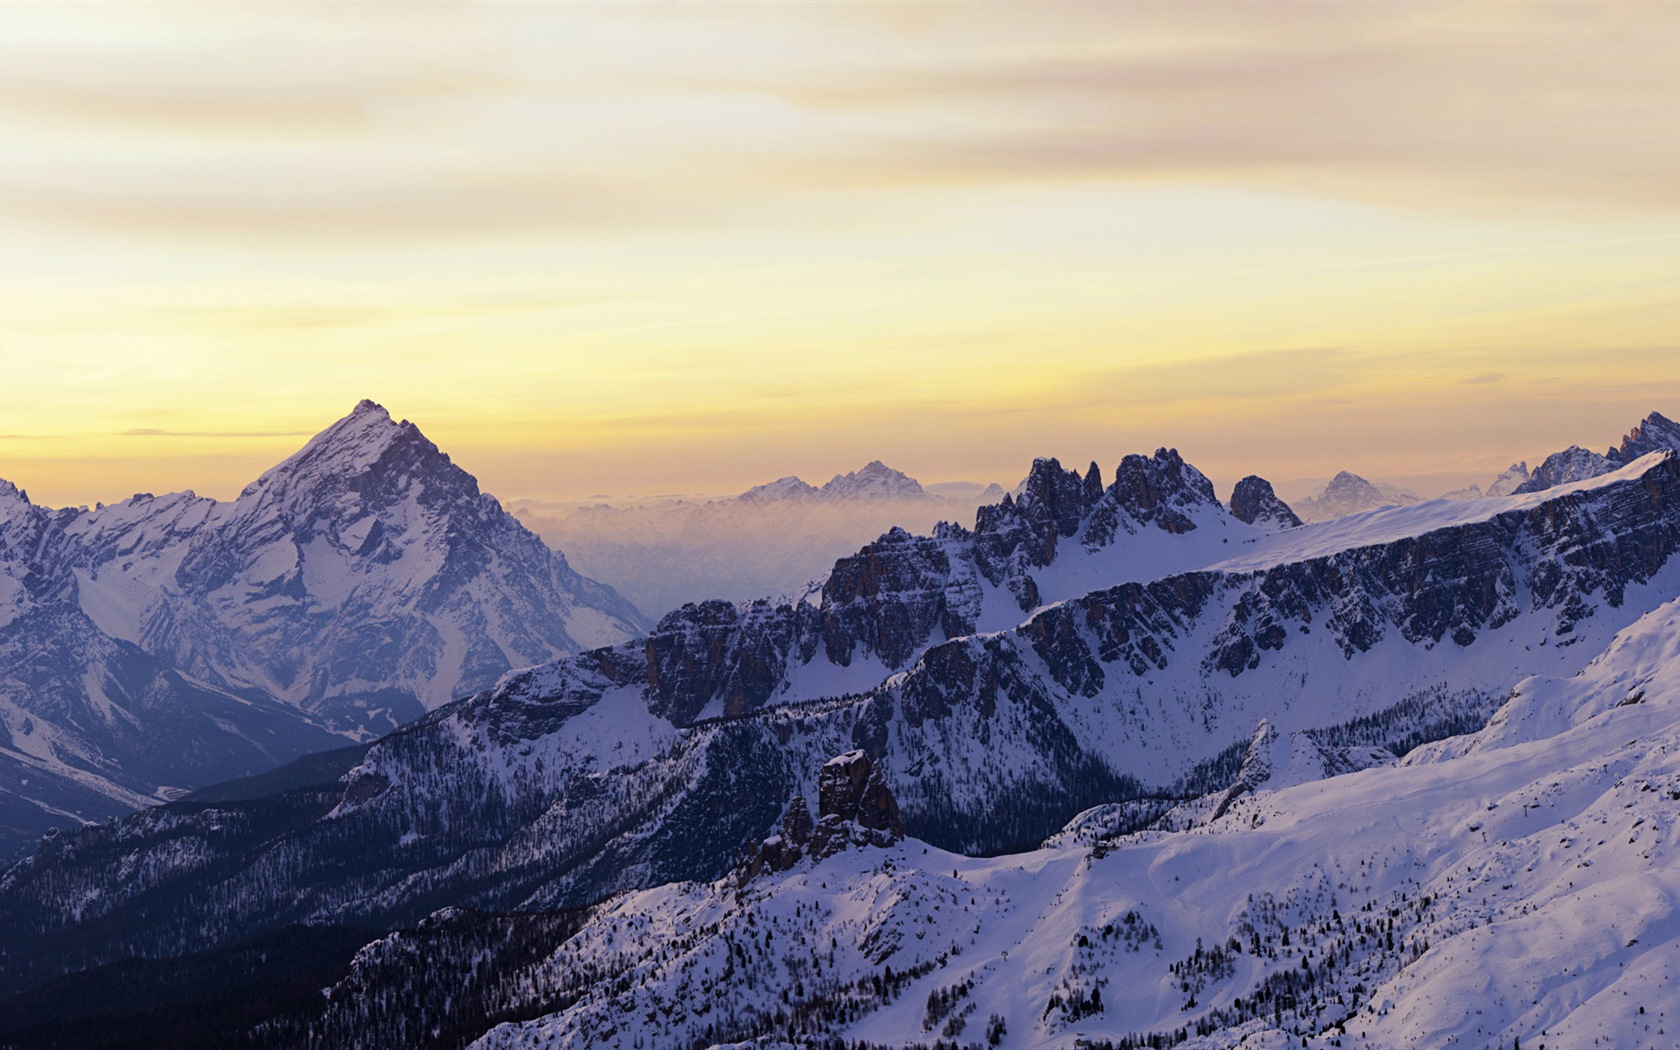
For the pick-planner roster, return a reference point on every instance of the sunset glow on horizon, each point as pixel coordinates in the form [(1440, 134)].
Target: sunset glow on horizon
[(630, 249)]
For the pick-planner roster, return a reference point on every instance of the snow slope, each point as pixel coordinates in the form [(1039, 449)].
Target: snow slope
[(1522, 883)]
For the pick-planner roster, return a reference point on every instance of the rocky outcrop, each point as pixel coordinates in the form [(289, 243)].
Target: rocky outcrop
[(718, 652), (855, 807), (1022, 534), (1562, 468), (890, 597), (1656, 433), (1452, 584), (1254, 502)]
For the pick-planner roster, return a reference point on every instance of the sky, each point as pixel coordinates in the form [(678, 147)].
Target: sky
[(637, 248)]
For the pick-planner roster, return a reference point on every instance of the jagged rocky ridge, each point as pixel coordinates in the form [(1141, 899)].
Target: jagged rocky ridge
[(1655, 433), (565, 783), (168, 642), (879, 608)]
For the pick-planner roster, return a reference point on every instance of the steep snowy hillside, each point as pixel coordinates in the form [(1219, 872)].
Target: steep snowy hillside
[(168, 642), (1520, 885)]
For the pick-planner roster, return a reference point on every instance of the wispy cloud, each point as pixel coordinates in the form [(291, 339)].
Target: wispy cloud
[(530, 117), (156, 432)]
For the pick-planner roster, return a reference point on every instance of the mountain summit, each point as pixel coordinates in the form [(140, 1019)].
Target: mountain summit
[(876, 481), (176, 640)]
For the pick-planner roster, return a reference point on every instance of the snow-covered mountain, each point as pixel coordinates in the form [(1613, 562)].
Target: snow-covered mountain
[(1561, 468), (1509, 480), (1516, 886), (168, 642), (876, 481), (1208, 709), (1655, 433), (1348, 493), (640, 764)]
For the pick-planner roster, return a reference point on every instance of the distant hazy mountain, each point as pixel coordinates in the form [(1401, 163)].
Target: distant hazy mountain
[(1509, 481), (168, 642), (876, 481), (772, 538), (1348, 493)]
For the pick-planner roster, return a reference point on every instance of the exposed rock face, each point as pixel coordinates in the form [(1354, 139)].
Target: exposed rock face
[(1655, 434), (850, 789), (855, 808), (1019, 535), (1561, 468), (783, 850), (718, 651), (895, 597), (1254, 501)]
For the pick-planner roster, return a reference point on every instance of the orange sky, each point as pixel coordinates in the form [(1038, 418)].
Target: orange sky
[(627, 248)]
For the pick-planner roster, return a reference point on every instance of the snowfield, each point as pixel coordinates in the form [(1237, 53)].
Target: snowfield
[(1517, 884)]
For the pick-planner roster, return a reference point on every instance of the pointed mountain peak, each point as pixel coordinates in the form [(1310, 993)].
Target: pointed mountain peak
[(353, 446), (1347, 493), (1572, 464), (1654, 433), (1253, 502), (875, 481), (1507, 482)]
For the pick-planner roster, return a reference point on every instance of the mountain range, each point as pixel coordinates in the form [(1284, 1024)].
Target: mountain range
[(169, 642), (1122, 765), (774, 538)]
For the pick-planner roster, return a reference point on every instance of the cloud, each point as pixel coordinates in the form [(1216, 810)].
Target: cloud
[(528, 118), (156, 432)]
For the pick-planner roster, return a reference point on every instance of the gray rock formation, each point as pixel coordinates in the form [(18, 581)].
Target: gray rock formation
[(1253, 501)]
